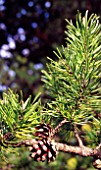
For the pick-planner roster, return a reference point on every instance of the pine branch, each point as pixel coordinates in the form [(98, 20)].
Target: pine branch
[(73, 82), (33, 143), (83, 151)]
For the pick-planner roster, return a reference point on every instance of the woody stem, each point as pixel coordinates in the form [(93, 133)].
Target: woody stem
[(57, 128)]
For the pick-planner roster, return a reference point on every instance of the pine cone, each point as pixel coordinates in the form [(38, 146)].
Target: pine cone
[(44, 150), (97, 164), (43, 130)]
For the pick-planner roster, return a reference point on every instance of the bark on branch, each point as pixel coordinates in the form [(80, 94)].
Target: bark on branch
[(80, 150)]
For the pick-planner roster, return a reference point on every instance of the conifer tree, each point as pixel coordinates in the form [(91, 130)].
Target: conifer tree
[(73, 84)]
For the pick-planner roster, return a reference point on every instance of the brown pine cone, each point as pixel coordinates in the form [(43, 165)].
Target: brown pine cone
[(43, 130), (44, 150)]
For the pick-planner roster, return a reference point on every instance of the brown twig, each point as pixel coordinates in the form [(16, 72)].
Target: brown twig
[(77, 136), (54, 131)]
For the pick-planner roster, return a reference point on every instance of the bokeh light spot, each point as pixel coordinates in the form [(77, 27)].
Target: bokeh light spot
[(22, 37), (46, 14), (47, 4), (18, 15), (2, 8), (5, 54), (25, 51), (38, 66), (5, 47), (11, 73), (2, 26), (30, 3), (20, 30), (34, 25), (35, 39), (23, 11)]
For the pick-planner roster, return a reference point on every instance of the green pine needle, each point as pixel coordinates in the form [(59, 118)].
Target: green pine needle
[(18, 117), (74, 80)]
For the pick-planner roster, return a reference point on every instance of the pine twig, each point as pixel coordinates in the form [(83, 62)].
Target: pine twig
[(98, 147), (77, 136), (57, 128)]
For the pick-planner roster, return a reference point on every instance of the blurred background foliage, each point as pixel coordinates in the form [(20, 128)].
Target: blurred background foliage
[(29, 32)]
